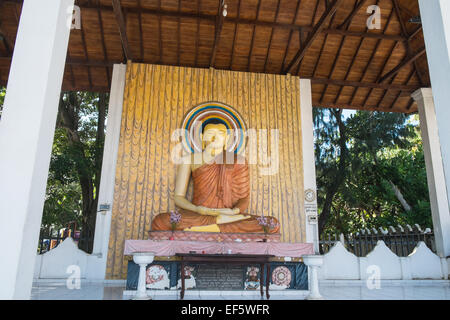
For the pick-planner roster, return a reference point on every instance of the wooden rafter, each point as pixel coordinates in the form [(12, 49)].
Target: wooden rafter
[(406, 62), (349, 69), (141, 32), (320, 52), (72, 75), (160, 42), (399, 94), (178, 34), (346, 25), (290, 35), (301, 35), (314, 34), (197, 40), (388, 57), (405, 34), (415, 33), (352, 14), (271, 35), (218, 31), (372, 56), (86, 54), (353, 66), (122, 28), (249, 59), (255, 22), (235, 35), (105, 53), (359, 84), (383, 96)]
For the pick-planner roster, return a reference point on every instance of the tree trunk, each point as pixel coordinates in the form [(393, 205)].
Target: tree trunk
[(340, 175), (89, 172), (400, 197)]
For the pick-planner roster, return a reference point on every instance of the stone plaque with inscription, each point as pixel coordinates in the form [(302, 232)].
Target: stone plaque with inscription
[(220, 277)]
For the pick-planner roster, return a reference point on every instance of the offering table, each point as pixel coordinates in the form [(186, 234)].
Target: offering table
[(261, 259)]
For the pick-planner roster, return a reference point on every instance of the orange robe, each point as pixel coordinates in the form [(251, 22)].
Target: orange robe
[(217, 186)]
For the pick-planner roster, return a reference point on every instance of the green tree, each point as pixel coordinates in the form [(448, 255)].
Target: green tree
[(75, 167), (370, 171)]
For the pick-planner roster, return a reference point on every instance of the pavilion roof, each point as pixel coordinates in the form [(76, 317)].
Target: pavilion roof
[(326, 41)]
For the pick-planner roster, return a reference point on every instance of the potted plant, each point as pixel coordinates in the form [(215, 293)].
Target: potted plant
[(267, 224), (175, 218)]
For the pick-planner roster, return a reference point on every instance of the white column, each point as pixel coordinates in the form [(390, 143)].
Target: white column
[(435, 15), (435, 170), (309, 164), (97, 261), (26, 134)]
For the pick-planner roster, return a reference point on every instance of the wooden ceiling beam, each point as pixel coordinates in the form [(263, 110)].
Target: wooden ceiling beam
[(405, 34), (249, 59), (117, 8), (105, 53), (320, 52), (302, 37), (160, 42), (86, 54), (398, 95), (218, 31), (237, 20), (406, 62), (290, 35), (415, 33), (359, 84), (355, 107), (197, 36), (346, 25), (271, 36), (349, 69), (314, 34), (352, 14), (380, 72), (234, 36), (372, 56), (141, 32)]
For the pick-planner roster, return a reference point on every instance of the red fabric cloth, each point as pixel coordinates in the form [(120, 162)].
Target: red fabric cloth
[(171, 247)]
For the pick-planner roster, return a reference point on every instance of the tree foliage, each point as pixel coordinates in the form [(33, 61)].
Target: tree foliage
[(75, 166), (370, 171)]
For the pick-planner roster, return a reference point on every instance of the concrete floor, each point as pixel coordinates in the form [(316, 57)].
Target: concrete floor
[(331, 290)]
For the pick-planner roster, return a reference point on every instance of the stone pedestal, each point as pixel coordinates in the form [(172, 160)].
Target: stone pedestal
[(314, 262), (142, 259)]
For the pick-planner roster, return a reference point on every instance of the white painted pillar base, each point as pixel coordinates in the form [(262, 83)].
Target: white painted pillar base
[(435, 171), (309, 164), (436, 28), (26, 134), (96, 269)]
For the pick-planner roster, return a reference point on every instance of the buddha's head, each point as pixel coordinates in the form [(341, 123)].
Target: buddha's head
[(214, 135)]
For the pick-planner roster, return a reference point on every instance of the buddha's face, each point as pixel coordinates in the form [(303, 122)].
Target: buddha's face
[(215, 136)]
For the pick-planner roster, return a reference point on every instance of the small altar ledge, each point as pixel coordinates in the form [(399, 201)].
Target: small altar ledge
[(171, 247), (212, 236)]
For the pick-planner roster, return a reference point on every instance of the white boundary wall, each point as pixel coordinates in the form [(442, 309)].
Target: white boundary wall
[(422, 263), (338, 264)]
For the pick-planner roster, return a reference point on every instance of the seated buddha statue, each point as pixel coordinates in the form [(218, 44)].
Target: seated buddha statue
[(221, 189)]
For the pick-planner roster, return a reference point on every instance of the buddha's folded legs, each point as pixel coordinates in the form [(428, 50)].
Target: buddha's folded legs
[(192, 221)]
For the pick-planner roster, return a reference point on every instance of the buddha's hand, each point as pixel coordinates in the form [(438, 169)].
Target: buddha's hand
[(216, 212), (228, 211), (204, 211)]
